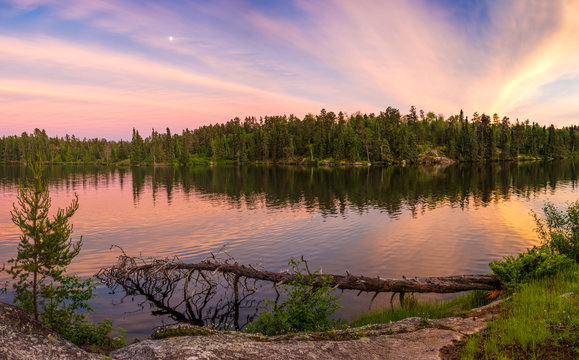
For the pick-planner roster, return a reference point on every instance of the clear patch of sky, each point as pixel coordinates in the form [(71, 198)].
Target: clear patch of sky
[(281, 9), (238, 40), (471, 20), (466, 14), (559, 88), (15, 19)]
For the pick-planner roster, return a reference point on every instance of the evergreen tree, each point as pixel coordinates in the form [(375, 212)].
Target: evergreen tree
[(137, 148), (45, 248), (505, 139), (42, 285)]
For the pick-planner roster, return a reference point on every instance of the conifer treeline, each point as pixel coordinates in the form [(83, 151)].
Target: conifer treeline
[(388, 137)]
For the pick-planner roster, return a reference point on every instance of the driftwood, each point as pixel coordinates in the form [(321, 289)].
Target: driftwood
[(444, 284), (219, 292)]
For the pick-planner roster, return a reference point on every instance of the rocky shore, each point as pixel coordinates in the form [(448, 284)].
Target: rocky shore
[(21, 337)]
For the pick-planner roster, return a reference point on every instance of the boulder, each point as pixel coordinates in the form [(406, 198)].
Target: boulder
[(23, 338)]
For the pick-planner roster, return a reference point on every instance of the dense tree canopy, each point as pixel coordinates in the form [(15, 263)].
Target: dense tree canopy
[(388, 137)]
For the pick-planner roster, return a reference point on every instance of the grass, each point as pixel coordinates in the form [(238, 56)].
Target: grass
[(536, 323), (411, 307)]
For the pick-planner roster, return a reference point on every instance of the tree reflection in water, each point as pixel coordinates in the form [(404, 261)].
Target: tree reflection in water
[(329, 191), (198, 297)]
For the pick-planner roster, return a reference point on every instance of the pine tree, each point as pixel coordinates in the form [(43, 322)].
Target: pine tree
[(137, 148), (45, 248)]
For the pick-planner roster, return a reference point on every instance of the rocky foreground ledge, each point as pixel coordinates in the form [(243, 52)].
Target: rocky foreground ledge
[(21, 337)]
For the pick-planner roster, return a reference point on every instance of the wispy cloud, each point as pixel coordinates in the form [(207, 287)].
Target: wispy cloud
[(109, 65), (414, 53)]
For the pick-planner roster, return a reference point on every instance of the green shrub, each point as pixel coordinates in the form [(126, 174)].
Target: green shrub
[(535, 263), (308, 305), (64, 307), (560, 230), (84, 333)]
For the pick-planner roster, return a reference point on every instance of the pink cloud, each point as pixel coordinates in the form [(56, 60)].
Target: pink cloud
[(119, 91), (339, 55), (413, 54)]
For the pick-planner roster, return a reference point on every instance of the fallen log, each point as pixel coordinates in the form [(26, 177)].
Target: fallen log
[(442, 284)]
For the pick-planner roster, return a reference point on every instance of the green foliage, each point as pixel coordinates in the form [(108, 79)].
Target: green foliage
[(87, 334), (536, 323), (182, 330), (560, 235), (387, 137), (560, 230), (41, 285), (535, 263), (540, 276), (63, 302), (64, 307), (45, 248), (307, 307)]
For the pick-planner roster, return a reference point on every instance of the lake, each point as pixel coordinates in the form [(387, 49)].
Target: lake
[(391, 221)]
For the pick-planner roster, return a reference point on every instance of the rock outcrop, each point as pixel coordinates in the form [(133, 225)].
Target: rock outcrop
[(23, 338), (412, 338), (434, 157)]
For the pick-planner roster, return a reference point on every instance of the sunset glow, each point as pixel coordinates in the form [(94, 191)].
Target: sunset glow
[(100, 68)]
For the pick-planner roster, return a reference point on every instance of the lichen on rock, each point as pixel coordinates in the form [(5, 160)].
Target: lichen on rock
[(23, 338)]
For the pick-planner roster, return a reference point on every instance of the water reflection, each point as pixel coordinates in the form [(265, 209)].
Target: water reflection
[(327, 190), (198, 297)]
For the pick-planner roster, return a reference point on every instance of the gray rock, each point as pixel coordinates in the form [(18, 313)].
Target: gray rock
[(22, 337), (411, 338)]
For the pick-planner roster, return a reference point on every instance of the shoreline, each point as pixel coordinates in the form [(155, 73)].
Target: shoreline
[(321, 163)]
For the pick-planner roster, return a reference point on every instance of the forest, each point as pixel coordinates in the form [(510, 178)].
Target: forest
[(387, 138)]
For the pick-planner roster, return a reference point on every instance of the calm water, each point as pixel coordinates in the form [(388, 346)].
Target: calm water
[(394, 221)]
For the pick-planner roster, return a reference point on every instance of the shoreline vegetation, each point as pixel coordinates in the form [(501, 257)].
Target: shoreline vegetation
[(326, 139), (322, 163)]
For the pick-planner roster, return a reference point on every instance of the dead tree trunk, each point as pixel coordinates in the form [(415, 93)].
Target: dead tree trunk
[(444, 284)]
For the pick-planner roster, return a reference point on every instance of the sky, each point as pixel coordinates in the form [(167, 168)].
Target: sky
[(99, 68)]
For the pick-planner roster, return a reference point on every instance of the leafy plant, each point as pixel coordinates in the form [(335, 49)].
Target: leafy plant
[(45, 248), (559, 232), (535, 263), (309, 303), (560, 229)]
